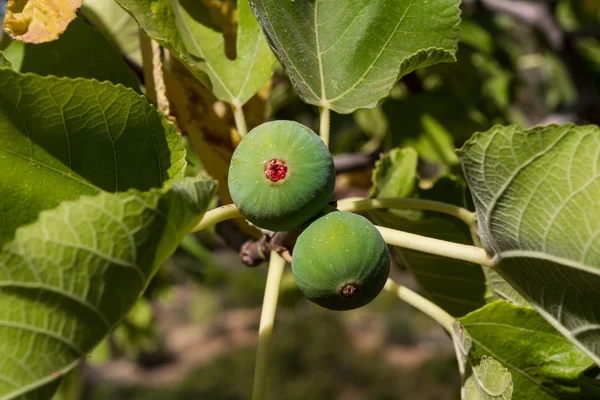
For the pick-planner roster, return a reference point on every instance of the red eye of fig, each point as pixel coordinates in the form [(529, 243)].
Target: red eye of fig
[(276, 170)]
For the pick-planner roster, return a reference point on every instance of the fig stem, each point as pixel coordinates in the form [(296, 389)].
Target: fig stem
[(240, 120), (422, 304), (438, 247), (217, 215), (265, 330), (359, 204), (324, 129)]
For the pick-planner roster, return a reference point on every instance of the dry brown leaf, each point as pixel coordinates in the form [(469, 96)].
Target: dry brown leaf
[(208, 122), (39, 21)]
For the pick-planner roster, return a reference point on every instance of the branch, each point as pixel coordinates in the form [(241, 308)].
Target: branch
[(536, 14)]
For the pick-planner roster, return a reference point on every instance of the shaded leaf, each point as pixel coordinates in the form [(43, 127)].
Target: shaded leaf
[(69, 278), (346, 55), (81, 52), (543, 364), (117, 24), (489, 380), (456, 286), (186, 28), (5, 62), (61, 138), (38, 21), (537, 194)]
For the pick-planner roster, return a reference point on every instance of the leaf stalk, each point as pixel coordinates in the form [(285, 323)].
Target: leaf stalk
[(265, 331), (422, 304)]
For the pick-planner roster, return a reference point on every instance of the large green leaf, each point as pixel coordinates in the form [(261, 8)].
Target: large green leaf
[(537, 195), (346, 54), (80, 52), (542, 363), (69, 278), (457, 286), (61, 138), (186, 28)]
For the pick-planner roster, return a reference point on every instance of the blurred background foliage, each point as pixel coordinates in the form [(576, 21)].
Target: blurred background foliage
[(192, 335)]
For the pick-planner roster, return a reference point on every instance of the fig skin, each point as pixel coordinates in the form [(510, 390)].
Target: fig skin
[(341, 261), (281, 175)]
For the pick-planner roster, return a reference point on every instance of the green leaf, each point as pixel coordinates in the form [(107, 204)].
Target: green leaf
[(117, 24), (456, 286), (537, 194), (186, 28), (61, 138), (346, 55), (69, 278), (81, 52), (489, 380), (543, 364), (5, 62)]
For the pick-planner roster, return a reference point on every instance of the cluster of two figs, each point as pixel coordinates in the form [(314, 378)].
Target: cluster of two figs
[(282, 178)]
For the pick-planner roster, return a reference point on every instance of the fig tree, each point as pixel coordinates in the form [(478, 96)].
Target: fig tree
[(340, 261), (281, 175)]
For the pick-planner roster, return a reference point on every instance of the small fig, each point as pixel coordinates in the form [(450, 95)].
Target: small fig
[(341, 261), (281, 175)]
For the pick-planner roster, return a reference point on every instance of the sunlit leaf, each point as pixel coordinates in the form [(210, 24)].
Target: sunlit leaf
[(186, 27), (347, 55), (69, 278), (537, 194), (61, 138), (38, 21), (524, 356)]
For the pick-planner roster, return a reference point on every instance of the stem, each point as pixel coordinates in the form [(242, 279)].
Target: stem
[(159, 80), (240, 120), (267, 316), (324, 129), (438, 247), (422, 304), (217, 215), (358, 204)]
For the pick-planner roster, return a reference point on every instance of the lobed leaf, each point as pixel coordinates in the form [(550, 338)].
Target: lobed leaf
[(186, 28), (346, 55), (531, 360), (61, 138), (38, 21), (69, 278), (537, 194)]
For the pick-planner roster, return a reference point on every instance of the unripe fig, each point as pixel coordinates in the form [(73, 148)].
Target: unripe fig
[(341, 261), (281, 175)]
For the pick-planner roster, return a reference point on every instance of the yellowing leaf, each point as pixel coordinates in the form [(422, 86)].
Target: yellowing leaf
[(39, 21)]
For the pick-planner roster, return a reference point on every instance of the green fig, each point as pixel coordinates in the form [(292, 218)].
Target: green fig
[(341, 261), (281, 175)]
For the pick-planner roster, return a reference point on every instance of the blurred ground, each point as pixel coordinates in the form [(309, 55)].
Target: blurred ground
[(200, 344)]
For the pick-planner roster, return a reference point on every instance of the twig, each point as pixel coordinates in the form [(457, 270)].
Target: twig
[(532, 13)]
